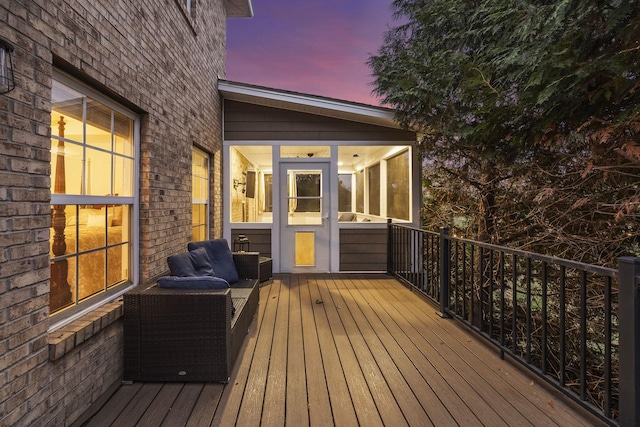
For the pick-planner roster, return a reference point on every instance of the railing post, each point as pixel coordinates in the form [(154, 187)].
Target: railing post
[(629, 347), (445, 273), (389, 247)]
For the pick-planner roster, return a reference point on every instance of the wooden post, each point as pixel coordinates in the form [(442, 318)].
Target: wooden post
[(629, 349)]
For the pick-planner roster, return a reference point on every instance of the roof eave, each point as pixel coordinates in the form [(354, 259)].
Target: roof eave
[(312, 104), (239, 8)]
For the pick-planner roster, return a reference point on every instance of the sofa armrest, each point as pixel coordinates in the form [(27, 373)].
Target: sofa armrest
[(247, 264), (177, 334)]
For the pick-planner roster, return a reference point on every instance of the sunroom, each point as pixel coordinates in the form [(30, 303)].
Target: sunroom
[(311, 181)]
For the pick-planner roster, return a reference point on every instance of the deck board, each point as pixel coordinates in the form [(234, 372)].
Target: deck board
[(276, 379), (378, 384), (350, 350), (317, 391), (538, 404), (133, 413), (353, 362), (163, 404), (204, 401), (114, 406), (297, 408), (341, 406), (478, 374)]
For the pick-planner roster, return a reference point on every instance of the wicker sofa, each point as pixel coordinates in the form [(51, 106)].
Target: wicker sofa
[(178, 334)]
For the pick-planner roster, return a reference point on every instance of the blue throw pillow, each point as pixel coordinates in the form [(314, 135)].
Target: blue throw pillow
[(201, 263), (190, 264), (181, 265), (220, 257), (195, 282)]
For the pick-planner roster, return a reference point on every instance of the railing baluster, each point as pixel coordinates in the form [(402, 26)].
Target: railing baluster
[(583, 335), (435, 248), (418, 257), (472, 286), (514, 292), (490, 298), (563, 332), (528, 310), (462, 276), (607, 347), (543, 344), (502, 306), (465, 311), (423, 257), (455, 279), (482, 277)]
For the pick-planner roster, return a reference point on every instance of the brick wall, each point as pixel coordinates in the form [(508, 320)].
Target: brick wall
[(155, 60)]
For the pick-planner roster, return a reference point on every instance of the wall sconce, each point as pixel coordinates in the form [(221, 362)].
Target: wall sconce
[(236, 183), (7, 80)]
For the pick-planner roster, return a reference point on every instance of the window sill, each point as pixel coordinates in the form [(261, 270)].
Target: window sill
[(68, 337)]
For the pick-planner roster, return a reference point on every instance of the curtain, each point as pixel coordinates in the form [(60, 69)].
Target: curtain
[(293, 192)]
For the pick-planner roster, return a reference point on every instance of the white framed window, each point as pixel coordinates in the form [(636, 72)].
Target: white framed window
[(251, 184), (189, 8), (199, 195), (93, 196), (399, 186), (382, 183)]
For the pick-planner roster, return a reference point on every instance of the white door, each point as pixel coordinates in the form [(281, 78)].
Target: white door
[(304, 217)]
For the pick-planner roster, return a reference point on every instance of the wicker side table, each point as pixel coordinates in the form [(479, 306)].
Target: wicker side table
[(266, 268)]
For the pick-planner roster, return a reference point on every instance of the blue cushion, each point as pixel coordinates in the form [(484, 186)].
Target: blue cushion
[(190, 264), (181, 265), (220, 257), (201, 282), (201, 262)]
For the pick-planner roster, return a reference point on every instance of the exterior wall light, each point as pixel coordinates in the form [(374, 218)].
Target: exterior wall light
[(7, 80)]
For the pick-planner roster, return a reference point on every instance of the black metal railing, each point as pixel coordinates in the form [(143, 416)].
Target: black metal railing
[(561, 319)]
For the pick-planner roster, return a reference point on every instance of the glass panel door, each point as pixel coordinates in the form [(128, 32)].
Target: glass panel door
[(305, 217)]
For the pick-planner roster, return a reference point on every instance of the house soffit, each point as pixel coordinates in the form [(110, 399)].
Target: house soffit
[(304, 103), (239, 8)]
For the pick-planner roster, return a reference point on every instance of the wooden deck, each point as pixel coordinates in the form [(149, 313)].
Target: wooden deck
[(349, 350)]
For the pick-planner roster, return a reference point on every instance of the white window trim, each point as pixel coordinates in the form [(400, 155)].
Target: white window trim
[(207, 200), (65, 317)]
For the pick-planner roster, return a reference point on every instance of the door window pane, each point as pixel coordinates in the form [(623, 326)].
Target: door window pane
[(304, 189)]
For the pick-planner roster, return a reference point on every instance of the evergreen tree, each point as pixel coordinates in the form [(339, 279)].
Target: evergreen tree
[(530, 119)]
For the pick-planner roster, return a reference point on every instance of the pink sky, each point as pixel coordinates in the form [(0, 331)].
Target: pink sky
[(318, 47)]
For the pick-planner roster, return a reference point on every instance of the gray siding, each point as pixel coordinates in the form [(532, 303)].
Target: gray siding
[(260, 239), (363, 249), (249, 122)]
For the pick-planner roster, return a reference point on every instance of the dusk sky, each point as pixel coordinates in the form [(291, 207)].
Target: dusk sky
[(317, 47)]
